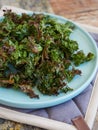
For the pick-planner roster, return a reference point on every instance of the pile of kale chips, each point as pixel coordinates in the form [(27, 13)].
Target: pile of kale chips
[(36, 51)]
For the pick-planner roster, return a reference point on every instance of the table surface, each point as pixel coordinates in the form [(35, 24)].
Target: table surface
[(83, 11)]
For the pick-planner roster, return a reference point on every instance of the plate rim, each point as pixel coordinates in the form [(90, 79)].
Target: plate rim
[(71, 95)]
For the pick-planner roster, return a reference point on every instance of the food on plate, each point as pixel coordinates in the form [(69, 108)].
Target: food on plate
[(36, 51)]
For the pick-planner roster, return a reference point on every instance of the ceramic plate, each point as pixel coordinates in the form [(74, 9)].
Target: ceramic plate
[(18, 99)]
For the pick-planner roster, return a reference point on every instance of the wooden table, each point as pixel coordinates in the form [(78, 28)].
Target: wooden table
[(83, 11)]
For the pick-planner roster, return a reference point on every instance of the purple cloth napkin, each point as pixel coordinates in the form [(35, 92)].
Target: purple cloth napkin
[(68, 110)]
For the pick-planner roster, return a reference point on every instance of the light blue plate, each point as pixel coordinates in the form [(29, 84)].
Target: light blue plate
[(18, 99)]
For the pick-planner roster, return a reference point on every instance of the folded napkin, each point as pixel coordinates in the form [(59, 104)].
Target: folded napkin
[(64, 112)]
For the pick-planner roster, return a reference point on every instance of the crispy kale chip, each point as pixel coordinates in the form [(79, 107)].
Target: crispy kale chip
[(36, 51)]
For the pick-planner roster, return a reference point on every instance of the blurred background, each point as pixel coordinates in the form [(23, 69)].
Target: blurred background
[(83, 11)]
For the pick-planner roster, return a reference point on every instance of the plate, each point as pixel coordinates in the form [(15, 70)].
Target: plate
[(18, 99)]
